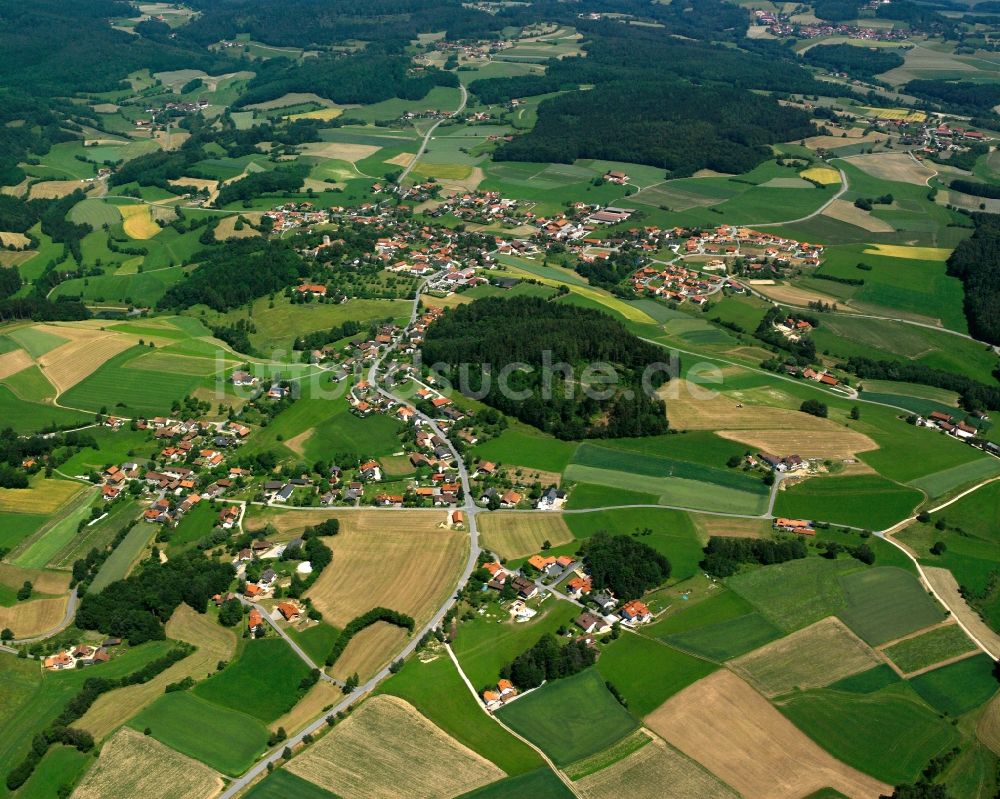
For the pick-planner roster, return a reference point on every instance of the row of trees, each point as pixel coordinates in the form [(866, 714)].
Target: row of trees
[(724, 555), (356, 625), (548, 660)]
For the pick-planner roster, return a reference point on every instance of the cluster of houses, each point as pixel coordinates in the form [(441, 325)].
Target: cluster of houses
[(295, 215), (580, 220), (676, 282), (481, 206), (782, 27), (797, 526), (81, 655), (758, 248), (940, 420)]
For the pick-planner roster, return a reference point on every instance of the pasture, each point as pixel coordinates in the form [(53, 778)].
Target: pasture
[(959, 687), (433, 686), (226, 740), (518, 535), (528, 448), (391, 738), (539, 784), (214, 643), (731, 730), (262, 681), (934, 646), (909, 732), (645, 773), (282, 784), (647, 672), (885, 603), (726, 639), (132, 764), (809, 658), (869, 501), (87, 349), (570, 718), (15, 527), (123, 558)]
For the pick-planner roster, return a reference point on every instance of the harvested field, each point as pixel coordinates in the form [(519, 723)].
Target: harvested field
[(944, 583), (813, 657), (17, 239), (364, 756), (844, 211), (369, 651), (43, 580), (211, 186), (892, 166), (226, 229), (853, 137), (322, 695), (54, 189), (988, 729), (132, 764), (362, 522), (87, 350), (290, 99), (13, 362), (325, 114), (734, 732), (138, 222), (836, 444), (645, 773), (388, 562), (794, 295), (403, 159), (34, 617), (44, 496), (171, 140), (340, 150), (517, 535), (896, 113), (730, 527), (214, 643)]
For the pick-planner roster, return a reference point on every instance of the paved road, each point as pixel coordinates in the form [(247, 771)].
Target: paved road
[(427, 136), (840, 193)]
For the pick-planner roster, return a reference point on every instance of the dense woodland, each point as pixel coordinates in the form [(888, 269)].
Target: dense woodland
[(724, 556), (976, 262), (624, 565), (956, 95), (859, 62), (493, 333), (237, 274)]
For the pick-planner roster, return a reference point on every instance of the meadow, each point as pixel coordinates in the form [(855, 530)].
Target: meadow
[(726, 639), (124, 557), (281, 783), (570, 718), (435, 688), (959, 687), (648, 672), (262, 681), (867, 501), (527, 447), (909, 731), (226, 740), (61, 767), (539, 784), (885, 603), (926, 649)]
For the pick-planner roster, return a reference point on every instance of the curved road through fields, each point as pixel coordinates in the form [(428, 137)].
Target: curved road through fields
[(427, 136)]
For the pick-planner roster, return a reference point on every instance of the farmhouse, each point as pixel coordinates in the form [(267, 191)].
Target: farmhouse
[(635, 612), (799, 526), (592, 623)]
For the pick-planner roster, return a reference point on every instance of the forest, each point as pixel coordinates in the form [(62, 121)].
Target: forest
[(976, 262), (623, 565), (235, 274), (724, 556), (679, 127), (481, 348), (858, 62), (973, 395), (956, 95)]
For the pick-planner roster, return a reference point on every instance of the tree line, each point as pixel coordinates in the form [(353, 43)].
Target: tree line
[(356, 625), (973, 395), (548, 660), (724, 555)]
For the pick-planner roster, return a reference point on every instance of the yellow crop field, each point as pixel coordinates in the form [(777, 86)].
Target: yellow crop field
[(904, 114), (13, 362), (132, 764), (365, 756), (516, 535), (43, 496), (214, 643), (54, 189), (325, 114), (322, 695), (43, 580), (369, 651), (36, 616), (821, 174), (17, 239), (813, 657), (988, 729), (139, 222), (87, 349), (905, 251)]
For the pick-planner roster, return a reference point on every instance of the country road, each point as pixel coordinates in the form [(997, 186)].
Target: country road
[(844, 186), (427, 136)]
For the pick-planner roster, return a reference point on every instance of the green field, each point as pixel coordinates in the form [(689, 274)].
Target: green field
[(539, 784), (436, 690), (52, 541), (648, 672), (61, 766), (959, 687), (282, 784), (194, 525), (98, 535), (867, 501), (929, 648), (483, 646), (866, 682), (909, 732), (797, 593), (316, 641), (26, 416), (885, 603), (726, 639), (262, 681), (36, 342), (717, 606), (570, 718), (129, 391), (119, 562), (226, 740), (531, 448), (943, 482), (15, 527)]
